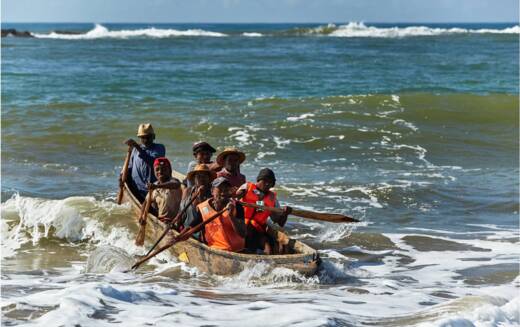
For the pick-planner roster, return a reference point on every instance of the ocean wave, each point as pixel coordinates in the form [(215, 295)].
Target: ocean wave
[(352, 29), (100, 32), (252, 34), (27, 220), (359, 29)]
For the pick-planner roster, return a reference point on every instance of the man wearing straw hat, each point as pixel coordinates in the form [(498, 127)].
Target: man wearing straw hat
[(200, 179), (230, 159), (141, 161)]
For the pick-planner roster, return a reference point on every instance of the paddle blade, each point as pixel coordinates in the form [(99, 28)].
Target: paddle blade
[(330, 217), (139, 240)]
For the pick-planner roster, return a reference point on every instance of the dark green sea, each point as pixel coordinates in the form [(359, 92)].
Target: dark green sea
[(412, 128)]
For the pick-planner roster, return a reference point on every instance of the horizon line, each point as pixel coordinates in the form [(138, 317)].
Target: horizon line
[(268, 23)]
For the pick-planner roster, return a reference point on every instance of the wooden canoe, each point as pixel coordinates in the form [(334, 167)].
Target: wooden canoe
[(300, 257)]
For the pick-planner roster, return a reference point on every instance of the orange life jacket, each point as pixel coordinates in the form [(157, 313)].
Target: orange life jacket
[(220, 233), (256, 217)]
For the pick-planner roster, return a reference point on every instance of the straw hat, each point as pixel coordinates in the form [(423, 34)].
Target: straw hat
[(145, 130), (202, 168), (227, 151)]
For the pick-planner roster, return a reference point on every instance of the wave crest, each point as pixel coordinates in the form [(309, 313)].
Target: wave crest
[(359, 29), (99, 31)]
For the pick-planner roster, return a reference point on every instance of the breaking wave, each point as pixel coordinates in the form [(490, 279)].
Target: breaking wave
[(359, 29), (352, 29), (100, 31)]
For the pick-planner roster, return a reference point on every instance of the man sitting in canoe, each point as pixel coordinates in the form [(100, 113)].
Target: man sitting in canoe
[(256, 219), (230, 160), (202, 152), (200, 178), (227, 232), (166, 191), (142, 159)]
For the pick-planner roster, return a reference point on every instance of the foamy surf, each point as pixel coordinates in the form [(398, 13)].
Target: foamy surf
[(352, 29), (99, 32), (359, 29)]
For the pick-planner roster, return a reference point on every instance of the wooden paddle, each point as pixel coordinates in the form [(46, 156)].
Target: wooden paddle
[(330, 217), (139, 240), (124, 175), (172, 223), (183, 236)]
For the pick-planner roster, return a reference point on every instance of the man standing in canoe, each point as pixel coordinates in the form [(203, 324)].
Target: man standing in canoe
[(260, 193), (166, 191), (227, 232), (142, 159), (202, 152), (230, 160), (200, 178)]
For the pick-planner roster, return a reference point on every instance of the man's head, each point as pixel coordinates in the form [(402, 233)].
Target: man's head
[(265, 180), (162, 169), (146, 134), (231, 159), (221, 190), (201, 175), (202, 152)]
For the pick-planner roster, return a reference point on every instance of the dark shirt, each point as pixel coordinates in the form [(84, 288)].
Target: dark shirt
[(235, 180), (191, 217), (141, 166)]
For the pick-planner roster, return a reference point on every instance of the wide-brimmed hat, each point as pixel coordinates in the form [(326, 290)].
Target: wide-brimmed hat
[(201, 146), (145, 130), (201, 169), (228, 151)]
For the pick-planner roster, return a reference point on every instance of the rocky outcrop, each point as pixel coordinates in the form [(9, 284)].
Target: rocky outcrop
[(14, 32)]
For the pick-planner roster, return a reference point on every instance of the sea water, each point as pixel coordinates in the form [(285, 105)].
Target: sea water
[(413, 129)]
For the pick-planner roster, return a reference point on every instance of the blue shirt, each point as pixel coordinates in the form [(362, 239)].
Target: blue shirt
[(141, 165)]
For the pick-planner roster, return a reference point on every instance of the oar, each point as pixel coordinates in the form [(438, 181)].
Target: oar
[(323, 216), (183, 236), (174, 221), (124, 175), (139, 240)]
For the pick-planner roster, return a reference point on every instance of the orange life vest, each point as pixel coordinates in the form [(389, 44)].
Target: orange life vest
[(220, 233), (256, 217)]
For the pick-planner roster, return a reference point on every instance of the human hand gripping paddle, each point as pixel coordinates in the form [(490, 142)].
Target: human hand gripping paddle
[(183, 236), (124, 175), (323, 216), (174, 221)]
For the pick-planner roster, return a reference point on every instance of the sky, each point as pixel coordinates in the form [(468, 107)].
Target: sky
[(258, 11)]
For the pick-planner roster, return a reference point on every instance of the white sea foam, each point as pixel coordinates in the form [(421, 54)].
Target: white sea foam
[(100, 31), (357, 29), (404, 123), (261, 155), (301, 117), (252, 34), (281, 143)]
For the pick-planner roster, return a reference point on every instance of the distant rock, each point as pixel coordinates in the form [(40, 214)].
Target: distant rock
[(14, 32)]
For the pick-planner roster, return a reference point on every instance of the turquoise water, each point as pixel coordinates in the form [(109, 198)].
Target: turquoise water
[(411, 128)]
